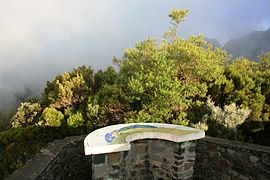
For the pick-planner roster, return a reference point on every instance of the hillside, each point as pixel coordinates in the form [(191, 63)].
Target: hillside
[(251, 45)]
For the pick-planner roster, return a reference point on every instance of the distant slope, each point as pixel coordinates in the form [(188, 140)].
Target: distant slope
[(214, 42), (250, 45)]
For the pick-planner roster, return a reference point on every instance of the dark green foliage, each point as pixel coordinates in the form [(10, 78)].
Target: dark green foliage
[(264, 81), (5, 117), (247, 85), (18, 145), (107, 77)]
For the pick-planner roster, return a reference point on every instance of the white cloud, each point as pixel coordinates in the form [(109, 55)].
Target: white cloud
[(40, 38)]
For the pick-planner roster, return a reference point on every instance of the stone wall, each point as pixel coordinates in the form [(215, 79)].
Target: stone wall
[(151, 159), (224, 159), (147, 159), (62, 159)]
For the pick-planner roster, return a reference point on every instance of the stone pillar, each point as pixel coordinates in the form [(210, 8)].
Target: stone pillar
[(184, 160), (147, 159), (138, 163), (99, 166), (109, 166)]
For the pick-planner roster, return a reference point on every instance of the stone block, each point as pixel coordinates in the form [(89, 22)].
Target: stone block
[(147, 164), (141, 148), (214, 154), (99, 159), (253, 159), (232, 152), (156, 147), (178, 163), (161, 178), (100, 171), (189, 174), (176, 168), (191, 157), (242, 177), (188, 144), (115, 167), (101, 178), (192, 148), (225, 177), (165, 166), (180, 175), (143, 156), (156, 157), (189, 165), (124, 154), (156, 164), (178, 157), (113, 158), (114, 176)]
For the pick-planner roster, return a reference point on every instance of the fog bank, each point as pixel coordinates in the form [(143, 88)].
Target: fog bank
[(40, 39)]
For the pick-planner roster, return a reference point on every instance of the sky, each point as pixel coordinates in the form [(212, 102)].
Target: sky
[(42, 38)]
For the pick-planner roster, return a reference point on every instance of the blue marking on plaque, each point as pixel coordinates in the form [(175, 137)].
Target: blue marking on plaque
[(112, 135)]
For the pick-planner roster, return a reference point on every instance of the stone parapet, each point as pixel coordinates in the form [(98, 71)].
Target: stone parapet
[(224, 159), (62, 159), (214, 158)]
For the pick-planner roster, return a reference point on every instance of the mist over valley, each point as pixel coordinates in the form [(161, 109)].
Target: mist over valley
[(39, 39)]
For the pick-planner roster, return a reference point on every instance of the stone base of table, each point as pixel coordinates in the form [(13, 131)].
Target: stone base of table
[(147, 159)]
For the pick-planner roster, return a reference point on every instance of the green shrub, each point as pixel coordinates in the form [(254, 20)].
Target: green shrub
[(26, 115), (69, 88), (75, 120), (51, 117), (18, 145), (224, 122)]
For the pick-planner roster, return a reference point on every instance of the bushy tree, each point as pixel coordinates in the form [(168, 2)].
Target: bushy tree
[(69, 88), (108, 106), (162, 82), (152, 87), (247, 85), (264, 81), (51, 117), (27, 114)]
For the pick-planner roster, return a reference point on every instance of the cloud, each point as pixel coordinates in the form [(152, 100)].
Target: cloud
[(39, 39)]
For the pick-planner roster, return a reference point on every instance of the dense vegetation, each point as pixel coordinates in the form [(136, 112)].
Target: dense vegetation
[(180, 81)]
